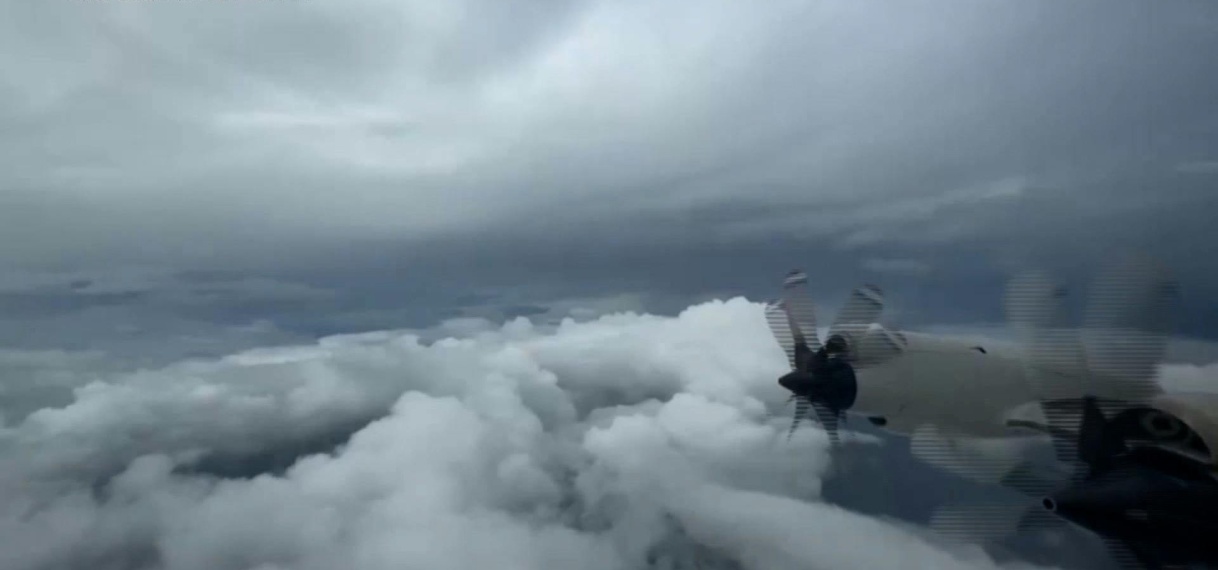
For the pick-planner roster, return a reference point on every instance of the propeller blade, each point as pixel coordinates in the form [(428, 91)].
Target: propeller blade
[(1127, 556), (802, 405), (978, 523), (800, 308), (829, 421), (1126, 323), (1006, 465), (1033, 303), (862, 308), (1057, 370), (780, 326), (1033, 480), (982, 461), (1055, 357), (805, 408), (877, 345), (1036, 518), (1055, 360), (1096, 444)]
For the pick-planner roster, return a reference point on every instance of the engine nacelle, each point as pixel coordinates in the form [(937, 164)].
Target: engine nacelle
[(1181, 422)]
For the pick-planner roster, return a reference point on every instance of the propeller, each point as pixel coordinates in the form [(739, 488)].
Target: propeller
[(1095, 386), (1113, 358), (1138, 498), (1153, 507), (822, 378)]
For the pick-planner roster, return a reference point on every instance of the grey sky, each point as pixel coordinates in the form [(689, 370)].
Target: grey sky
[(285, 134), (384, 151)]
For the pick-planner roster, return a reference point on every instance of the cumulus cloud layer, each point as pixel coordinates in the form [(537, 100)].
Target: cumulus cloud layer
[(629, 441)]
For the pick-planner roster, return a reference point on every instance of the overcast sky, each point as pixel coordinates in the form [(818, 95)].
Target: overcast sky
[(191, 179), (371, 164)]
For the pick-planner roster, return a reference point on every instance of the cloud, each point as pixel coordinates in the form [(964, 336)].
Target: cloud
[(1198, 167), (628, 441), (907, 266), (237, 142), (391, 154), (189, 286), (1190, 377), (151, 317)]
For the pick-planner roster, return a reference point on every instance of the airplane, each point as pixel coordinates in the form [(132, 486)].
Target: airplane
[(902, 380), (1144, 474), (905, 381)]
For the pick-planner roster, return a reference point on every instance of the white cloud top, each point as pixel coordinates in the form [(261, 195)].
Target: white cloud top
[(629, 441)]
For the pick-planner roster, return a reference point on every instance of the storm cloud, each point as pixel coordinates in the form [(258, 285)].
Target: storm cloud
[(596, 146)]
